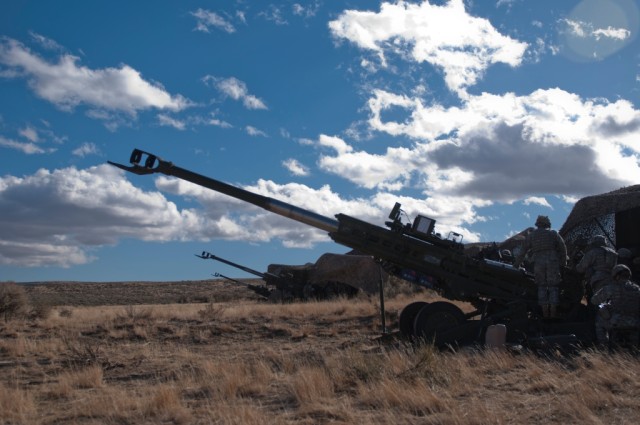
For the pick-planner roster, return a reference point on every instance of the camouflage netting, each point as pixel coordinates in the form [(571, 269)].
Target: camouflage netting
[(593, 215), (360, 271), (596, 214)]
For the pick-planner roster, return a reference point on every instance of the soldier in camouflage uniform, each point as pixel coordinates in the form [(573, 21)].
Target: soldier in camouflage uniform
[(597, 263), (549, 255), (620, 301)]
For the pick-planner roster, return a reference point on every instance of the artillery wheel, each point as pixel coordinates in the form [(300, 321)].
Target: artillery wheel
[(435, 319), (408, 316)]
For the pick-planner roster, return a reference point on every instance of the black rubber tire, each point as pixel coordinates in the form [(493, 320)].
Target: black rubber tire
[(434, 319), (408, 316)]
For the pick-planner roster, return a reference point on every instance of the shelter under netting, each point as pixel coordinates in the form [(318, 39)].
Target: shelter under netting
[(616, 215)]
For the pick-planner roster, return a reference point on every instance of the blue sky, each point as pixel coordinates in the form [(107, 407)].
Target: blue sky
[(480, 114)]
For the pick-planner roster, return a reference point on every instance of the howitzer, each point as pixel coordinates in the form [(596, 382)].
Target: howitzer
[(293, 282), (209, 256), (414, 252), (263, 291), (278, 286)]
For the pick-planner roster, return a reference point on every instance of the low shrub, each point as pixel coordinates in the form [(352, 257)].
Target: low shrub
[(13, 300)]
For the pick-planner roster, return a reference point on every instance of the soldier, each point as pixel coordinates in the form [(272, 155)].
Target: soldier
[(619, 301), (597, 263), (549, 254)]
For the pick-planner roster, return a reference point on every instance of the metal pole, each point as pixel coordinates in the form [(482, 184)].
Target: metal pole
[(384, 322)]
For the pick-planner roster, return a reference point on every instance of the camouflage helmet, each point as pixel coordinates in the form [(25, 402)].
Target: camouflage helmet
[(543, 221), (620, 268), (598, 240)]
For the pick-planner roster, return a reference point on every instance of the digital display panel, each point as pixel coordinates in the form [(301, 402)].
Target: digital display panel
[(423, 224)]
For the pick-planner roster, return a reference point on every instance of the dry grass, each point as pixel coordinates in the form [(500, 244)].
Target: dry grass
[(250, 363)]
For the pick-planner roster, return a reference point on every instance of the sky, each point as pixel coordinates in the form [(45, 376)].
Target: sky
[(479, 114)]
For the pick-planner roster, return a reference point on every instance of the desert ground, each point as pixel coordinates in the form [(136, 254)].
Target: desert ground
[(214, 353)]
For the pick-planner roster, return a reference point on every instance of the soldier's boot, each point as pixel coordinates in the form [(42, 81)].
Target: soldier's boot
[(553, 311), (546, 311)]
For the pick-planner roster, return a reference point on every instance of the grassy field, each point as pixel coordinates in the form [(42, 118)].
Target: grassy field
[(232, 359)]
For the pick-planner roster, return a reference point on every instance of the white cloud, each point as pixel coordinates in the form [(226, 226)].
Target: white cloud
[(537, 200), (45, 42), (305, 142), (585, 29), (577, 28), (219, 123), (85, 149), (594, 30), (206, 19), (497, 147), (67, 84), (445, 36), (234, 219), (340, 146), (614, 33), (237, 90), (252, 131), (57, 218), (167, 121), (26, 147), (29, 133), (54, 218), (295, 167), (367, 170)]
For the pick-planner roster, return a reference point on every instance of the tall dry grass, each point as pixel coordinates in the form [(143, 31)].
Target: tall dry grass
[(307, 363)]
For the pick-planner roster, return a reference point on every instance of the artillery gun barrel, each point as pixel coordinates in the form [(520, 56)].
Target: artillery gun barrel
[(152, 164), (402, 247), (230, 279), (209, 256), (260, 290)]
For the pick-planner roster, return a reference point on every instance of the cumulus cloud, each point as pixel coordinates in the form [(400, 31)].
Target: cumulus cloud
[(240, 220), (205, 20), (498, 147), (58, 218), (424, 33), (367, 170), (55, 218), (68, 84), (236, 90)]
